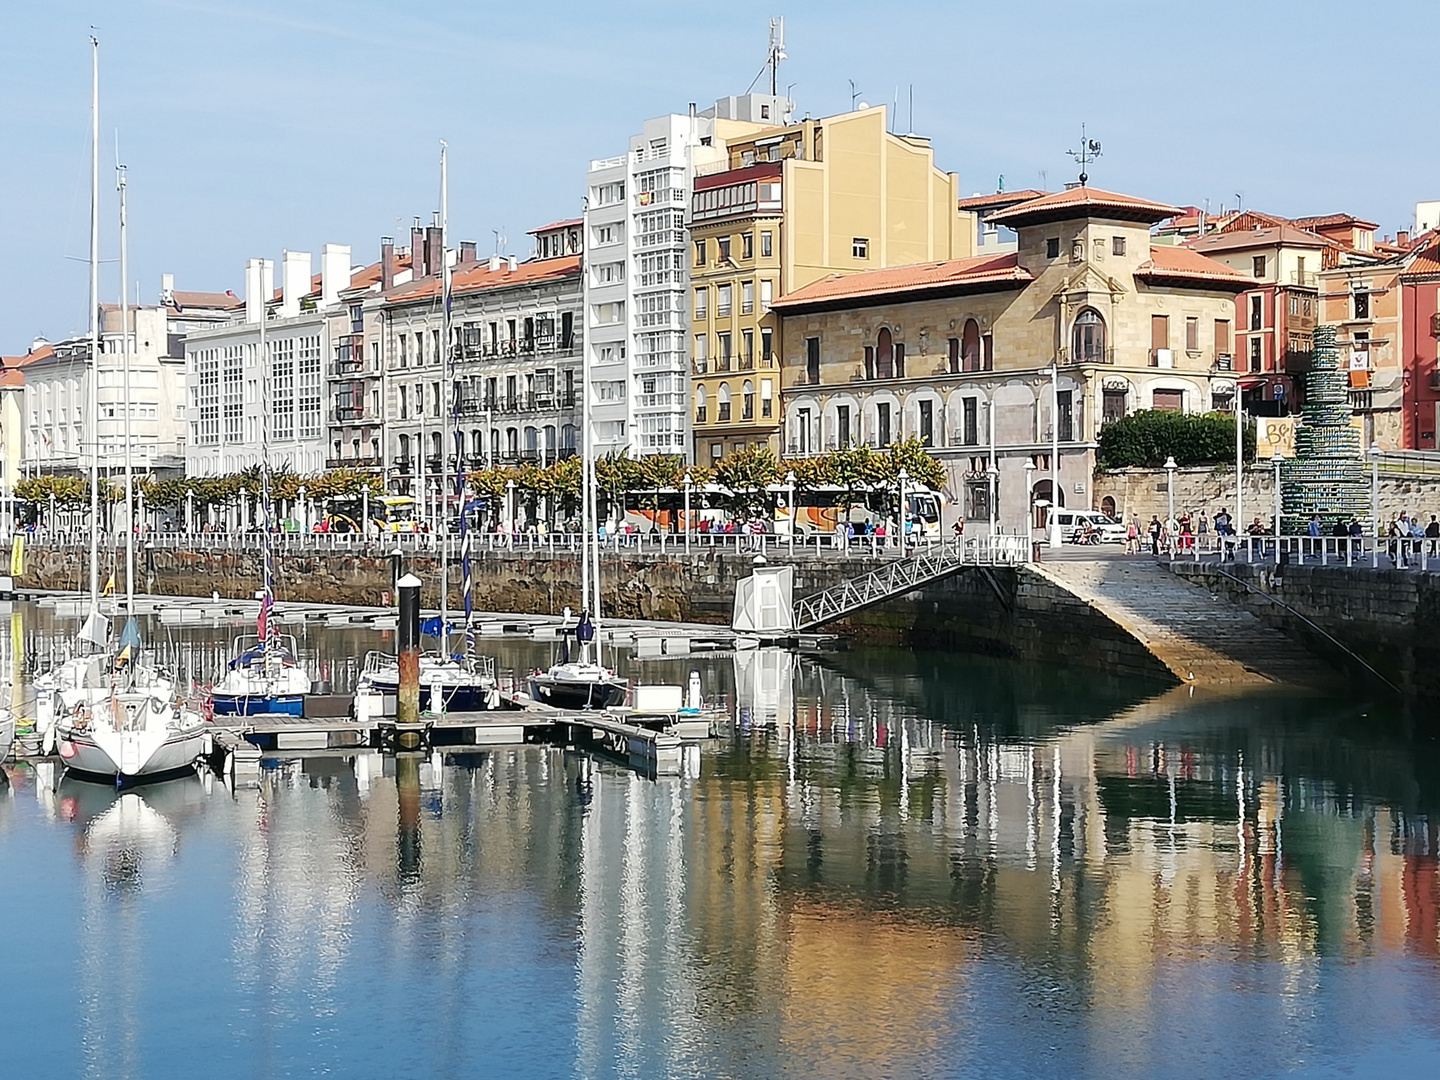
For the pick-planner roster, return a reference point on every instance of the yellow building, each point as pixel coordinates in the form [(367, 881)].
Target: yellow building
[(788, 206)]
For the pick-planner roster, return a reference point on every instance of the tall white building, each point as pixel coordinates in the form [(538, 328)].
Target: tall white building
[(637, 273)]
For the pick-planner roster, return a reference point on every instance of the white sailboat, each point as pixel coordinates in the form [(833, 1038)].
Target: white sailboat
[(113, 718), (583, 681)]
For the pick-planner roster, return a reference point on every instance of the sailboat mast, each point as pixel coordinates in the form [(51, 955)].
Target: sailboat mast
[(267, 598), (93, 396), (125, 354), (445, 397)]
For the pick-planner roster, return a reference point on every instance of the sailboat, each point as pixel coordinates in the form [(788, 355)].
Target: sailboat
[(583, 682), (466, 682), (112, 717)]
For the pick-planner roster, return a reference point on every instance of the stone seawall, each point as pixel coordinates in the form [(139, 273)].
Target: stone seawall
[(1001, 611), (1391, 618)]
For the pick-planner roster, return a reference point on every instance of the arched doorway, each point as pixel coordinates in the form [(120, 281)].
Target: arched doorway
[(884, 354), (1107, 506), (970, 346), (1042, 493), (1088, 338)]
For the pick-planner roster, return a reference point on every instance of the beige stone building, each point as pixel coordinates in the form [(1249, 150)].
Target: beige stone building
[(789, 205), (959, 353)]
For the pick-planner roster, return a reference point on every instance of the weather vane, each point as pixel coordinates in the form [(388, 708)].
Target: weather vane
[(1088, 152)]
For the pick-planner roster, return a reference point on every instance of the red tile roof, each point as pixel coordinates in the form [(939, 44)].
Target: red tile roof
[(10, 373), (1180, 264), (568, 223), (473, 277), (1325, 221), (211, 300), (998, 201), (1084, 202), (1271, 236), (957, 276)]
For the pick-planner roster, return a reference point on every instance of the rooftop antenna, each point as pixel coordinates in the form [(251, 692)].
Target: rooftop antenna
[(854, 95), (777, 50), (1088, 152), (1239, 202), (912, 109), (500, 239)]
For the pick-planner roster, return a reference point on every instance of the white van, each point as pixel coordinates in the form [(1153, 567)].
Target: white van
[(1072, 526)]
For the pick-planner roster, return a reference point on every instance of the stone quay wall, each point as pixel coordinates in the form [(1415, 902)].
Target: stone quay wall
[(1007, 611), (1390, 618)]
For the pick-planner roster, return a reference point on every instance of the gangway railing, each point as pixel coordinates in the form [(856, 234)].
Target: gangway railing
[(906, 575)]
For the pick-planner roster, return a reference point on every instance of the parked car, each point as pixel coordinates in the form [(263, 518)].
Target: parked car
[(1072, 526)]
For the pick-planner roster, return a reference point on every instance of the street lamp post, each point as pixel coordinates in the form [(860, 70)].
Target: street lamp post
[(1238, 520), (992, 474), (1052, 516), (1028, 521), (189, 510), (50, 525), (304, 509), (241, 516), (688, 482), (790, 503), (1276, 459), (510, 510), (139, 510), (1170, 467), (900, 479), (365, 511), (1375, 497)]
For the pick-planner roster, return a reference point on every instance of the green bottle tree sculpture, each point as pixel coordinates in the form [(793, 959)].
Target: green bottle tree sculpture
[(1327, 474)]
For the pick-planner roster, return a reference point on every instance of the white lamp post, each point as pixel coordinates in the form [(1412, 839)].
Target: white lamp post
[(789, 501), (1239, 517), (900, 479), (304, 509), (189, 510), (1375, 492), (1029, 518), (510, 509), (140, 509), (50, 524), (1276, 459), (688, 482), (1170, 468), (240, 511), (993, 475), (1052, 516)]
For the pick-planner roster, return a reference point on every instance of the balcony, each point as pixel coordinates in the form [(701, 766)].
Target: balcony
[(700, 367), (352, 462), (352, 414), (346, 367), (1223, 362), (1305, 278), (1089, 356)]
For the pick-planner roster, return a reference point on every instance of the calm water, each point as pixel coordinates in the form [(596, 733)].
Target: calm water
[(894, 865)]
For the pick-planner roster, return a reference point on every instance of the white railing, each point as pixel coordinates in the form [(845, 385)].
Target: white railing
[(1376, 553)]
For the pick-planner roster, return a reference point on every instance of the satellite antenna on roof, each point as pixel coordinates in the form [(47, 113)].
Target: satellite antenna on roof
[(777, 50), (1088, 152)]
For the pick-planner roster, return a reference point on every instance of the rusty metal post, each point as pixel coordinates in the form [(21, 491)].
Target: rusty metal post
[(408, 706)]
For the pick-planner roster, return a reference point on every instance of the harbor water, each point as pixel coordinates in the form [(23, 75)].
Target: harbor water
[(889, 864)]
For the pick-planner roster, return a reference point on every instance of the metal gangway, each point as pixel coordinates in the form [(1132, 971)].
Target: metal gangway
[(908, 574)]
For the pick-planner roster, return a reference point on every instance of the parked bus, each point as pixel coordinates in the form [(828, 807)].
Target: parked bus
[(821, 509), (664, 509)]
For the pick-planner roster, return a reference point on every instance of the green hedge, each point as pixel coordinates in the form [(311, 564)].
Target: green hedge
[(1148, 437)]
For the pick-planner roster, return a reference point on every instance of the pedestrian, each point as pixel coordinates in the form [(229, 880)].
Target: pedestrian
[(1132, 537), (1155, 530), (1357, 538), (1311, 546), (1433, 532), (1203, 525)]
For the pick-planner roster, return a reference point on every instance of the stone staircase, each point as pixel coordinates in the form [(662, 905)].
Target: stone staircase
[(1203, 639)]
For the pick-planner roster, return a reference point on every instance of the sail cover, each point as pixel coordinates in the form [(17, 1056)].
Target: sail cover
[(95, 629)]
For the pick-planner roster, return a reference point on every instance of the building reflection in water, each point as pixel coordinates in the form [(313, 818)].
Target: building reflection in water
[(898, 867)]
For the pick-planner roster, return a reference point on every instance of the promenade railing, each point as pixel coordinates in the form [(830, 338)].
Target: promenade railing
[(1421, 554)]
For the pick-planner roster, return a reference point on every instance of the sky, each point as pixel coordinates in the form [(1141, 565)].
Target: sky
[(252, 127)]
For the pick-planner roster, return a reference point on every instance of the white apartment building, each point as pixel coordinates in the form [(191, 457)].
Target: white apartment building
[(637, 273), (57, 387), (232, 405)]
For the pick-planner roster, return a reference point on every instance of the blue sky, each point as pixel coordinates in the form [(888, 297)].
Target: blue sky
[(256, 126)]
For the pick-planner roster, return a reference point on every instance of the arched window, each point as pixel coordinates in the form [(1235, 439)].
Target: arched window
[(567, 437), (532, 441), (700, 404), (550, 440), (436, 446), (495, 443), (512, 442), (884, 354), (1088, 338), (747, 401), (722, 398), (477, 443), (405, 448), (970, 346)]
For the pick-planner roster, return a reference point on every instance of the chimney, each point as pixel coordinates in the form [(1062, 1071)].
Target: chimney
[(294, 282), (495, 263), (387, 262), (254, 291), (1403, 238), (432, 249), (512, 262), (467, 251), (417, 250), (334, 273), (167, 289)]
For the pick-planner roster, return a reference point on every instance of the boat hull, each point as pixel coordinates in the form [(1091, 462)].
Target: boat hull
[(258, 705), (116, 757), (577, 693), (7, 733), (457, 697)]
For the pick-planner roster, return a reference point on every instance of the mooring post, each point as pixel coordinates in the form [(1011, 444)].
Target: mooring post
[(407, 837), (408, 706)]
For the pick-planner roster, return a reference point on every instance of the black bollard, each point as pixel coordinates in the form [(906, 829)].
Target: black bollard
[(408, 706)]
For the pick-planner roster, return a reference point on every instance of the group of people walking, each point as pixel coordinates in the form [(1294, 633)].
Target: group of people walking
[(1406, 536)]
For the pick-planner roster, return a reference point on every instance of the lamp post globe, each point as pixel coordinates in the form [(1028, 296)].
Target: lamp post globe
[(1170, 468)]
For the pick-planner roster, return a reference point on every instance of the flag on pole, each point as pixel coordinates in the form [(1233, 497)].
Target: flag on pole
[(109, 586)]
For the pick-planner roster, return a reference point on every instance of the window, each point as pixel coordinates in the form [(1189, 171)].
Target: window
[(1117, 245), (1257, 355), (605, 234), (899, 359), (842, 425), (717, 451), (747, 401), (767, 345), (767, 398), (747, 297), (722, 399), (969, 421), (702, 303), (723, 354), (722, 245), (747, 246), (987, 352), (701, 353), (812, 361), (1159, 335), (882, 423), (767, 294), (927, 423), (1257, 312), (1258, 263), (747, 348), (1066, 413), (1222, 340), (802, 430), (884, 355), (722, 301), (1052, 247), (700, 404), (766, 245), (954, 355), (1192, 334), (859, 248), (1112, 406), (1088, 338), (1170, 400), (699, 252), (1362, 305)]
